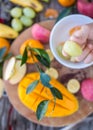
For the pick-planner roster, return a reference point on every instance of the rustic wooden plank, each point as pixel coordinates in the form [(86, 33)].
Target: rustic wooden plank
[(17, 121), (4, 106)]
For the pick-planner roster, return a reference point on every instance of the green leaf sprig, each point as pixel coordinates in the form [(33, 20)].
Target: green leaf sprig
[(45, 79), (64, 12), (2, 52), (42, 109)]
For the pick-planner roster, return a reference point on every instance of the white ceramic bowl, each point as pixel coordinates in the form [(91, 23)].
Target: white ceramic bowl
[(60, 33)]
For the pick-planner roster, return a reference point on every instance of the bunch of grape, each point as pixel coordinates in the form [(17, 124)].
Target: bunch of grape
[(22, 17)]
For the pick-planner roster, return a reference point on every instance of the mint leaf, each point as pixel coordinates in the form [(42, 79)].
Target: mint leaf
[(42, 56), (42, 53), (19, 57), (1, 69), (2, 52), (56, 93), (65, 12), (24, 57), (7, 56), (54, 103), (45, 79), (32, 86), (42, 109), (42, 60)]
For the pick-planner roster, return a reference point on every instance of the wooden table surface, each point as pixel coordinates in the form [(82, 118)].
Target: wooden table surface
[(9, 117)]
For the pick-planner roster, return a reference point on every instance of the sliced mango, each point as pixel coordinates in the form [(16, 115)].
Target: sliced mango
[(64, 107)]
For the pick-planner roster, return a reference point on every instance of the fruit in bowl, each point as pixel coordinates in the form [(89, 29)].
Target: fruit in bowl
[(72, 48), (69, 50), (60, 33)]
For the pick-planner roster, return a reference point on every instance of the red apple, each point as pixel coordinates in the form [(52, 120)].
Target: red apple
[(85, 7), (87, 89)]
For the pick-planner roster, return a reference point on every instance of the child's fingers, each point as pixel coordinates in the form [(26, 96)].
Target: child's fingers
[(81, 35), (89, 58), (86, 52), (77, 37)]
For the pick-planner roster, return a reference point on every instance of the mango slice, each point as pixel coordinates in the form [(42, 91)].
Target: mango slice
[(67, 106)]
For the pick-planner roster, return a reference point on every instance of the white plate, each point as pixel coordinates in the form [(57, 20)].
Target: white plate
[(60, 33)]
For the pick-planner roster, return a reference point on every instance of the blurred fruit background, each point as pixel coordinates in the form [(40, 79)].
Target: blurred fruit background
[(13, 15), (20, 15), (16, 16)]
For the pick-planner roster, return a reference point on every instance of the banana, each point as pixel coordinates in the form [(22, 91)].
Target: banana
[(45, 1), (7, 32), (35, 4)]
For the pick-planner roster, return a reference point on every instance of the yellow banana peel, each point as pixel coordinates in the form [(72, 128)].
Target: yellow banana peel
[(35, 4), (7, 32)]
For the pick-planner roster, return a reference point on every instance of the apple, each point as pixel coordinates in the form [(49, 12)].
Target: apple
[(40, 33), (85, 7), (13, 71), (9, 68), (87, 89)]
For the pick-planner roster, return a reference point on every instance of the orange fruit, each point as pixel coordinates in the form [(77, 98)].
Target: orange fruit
[(51, 13), (66, 3), (33, 44), (72, 30), (4, 43)]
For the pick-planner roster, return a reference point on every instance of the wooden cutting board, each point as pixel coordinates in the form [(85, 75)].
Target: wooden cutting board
[(85, 107)]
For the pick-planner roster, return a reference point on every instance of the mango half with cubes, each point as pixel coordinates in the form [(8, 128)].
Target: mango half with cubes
[(64, 107)]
